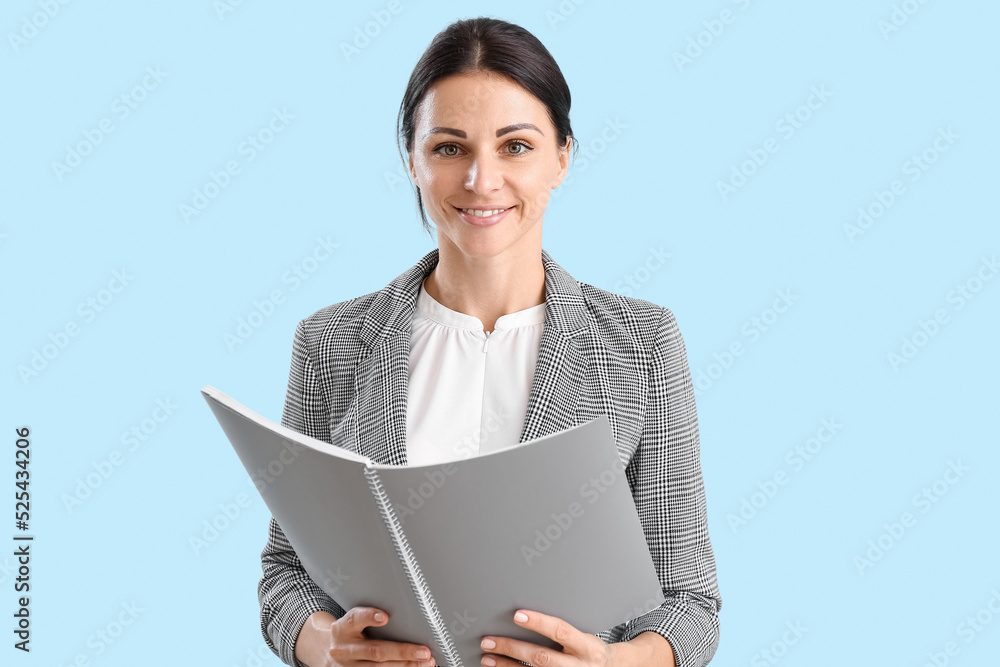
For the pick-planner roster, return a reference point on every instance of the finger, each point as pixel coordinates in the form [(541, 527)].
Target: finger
[(553, 627), (503, 648), (358, 618), (510, 652), (374, 650), (387, 653)]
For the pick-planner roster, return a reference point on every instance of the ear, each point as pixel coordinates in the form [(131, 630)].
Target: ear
[(564, 155), (413, 171)]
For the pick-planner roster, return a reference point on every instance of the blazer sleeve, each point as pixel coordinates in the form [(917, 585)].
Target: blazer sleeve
[(287, 594), (665, 476)]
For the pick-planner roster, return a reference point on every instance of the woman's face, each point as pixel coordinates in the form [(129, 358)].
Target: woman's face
[(482, 142)]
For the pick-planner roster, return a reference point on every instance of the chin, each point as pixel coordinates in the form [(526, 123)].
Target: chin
[(482, 248)]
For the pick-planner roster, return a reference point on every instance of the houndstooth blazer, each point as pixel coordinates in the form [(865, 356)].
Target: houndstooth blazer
[(600, 353)]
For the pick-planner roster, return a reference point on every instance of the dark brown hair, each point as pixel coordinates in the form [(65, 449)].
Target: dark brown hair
[(485, 45)]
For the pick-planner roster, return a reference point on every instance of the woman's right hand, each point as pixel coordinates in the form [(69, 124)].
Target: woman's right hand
[(326, 641)]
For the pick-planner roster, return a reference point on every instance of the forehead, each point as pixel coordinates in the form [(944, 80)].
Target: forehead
[(468, 98)]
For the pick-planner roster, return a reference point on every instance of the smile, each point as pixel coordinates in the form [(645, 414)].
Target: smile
[(483, 217), (483, 213)]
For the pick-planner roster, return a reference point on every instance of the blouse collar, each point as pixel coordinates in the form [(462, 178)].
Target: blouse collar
[(433, 310)]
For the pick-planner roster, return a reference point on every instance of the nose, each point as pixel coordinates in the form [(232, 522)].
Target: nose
[(485, 175)]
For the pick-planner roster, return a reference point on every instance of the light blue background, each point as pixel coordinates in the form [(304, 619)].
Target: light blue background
[(334, 172)]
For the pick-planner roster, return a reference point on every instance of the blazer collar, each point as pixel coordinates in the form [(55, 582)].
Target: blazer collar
[(382, 376)]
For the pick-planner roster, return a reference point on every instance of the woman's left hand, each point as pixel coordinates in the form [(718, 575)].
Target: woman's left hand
[(579, 648)]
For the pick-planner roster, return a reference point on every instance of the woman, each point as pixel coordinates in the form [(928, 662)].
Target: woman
[(489, 325)]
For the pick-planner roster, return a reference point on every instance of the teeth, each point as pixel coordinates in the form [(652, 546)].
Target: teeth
[(483, 214)]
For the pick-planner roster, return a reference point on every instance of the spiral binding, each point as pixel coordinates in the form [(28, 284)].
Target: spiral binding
[(420, 590)]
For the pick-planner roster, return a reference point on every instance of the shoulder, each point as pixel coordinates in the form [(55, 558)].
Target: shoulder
[(346, 325), (628, 320), (335, 324)]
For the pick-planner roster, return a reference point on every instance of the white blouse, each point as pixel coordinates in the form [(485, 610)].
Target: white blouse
[(468, 389)]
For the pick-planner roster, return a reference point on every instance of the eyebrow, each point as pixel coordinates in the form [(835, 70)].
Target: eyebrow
[(502, 131)]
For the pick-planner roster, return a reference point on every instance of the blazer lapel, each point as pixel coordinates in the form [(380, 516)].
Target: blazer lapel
[(562, 359), (382, 373)]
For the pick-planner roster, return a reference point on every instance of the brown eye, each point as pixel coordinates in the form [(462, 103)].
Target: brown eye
[(444, 149), (520, 144)]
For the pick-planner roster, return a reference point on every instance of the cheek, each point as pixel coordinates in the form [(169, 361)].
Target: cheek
[(533, 189), (436, 177), (540, 199)]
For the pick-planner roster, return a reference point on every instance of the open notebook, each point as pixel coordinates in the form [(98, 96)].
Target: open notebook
[(452, 550)]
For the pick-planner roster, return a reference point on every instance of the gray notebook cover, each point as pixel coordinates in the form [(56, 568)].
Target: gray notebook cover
[(452, 550)]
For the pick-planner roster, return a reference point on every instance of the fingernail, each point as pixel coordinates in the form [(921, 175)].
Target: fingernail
[(379, 616), (423, 653), (520, 617), (488, 644), (489, 662)]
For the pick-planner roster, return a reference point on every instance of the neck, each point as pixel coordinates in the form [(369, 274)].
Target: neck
[(488, 287)]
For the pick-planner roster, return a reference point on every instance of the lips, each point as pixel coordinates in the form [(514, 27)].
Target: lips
[(483, 216), (480, 212)]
